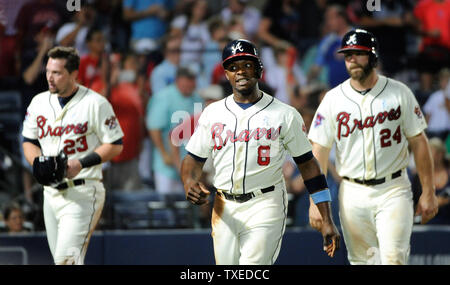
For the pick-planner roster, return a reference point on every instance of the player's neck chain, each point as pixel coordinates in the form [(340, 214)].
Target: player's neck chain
[(362, 92)]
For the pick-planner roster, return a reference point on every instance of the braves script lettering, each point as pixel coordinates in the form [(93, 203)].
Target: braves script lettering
[(343, 118), (59, 130), (244, 136)]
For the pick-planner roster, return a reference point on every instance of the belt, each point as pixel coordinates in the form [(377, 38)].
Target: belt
[(374, 181), (66, 185), (245, 197)]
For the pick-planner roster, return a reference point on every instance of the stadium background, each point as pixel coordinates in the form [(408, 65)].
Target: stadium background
[(142, 226)]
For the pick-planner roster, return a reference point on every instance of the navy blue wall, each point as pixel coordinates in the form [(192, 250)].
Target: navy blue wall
[(429, 245)]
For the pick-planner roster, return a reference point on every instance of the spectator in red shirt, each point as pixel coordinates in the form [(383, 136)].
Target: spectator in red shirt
[(123, 173), (90, 64), (434, 25)]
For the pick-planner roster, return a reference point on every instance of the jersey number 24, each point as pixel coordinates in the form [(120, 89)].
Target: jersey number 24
[(386, 137)]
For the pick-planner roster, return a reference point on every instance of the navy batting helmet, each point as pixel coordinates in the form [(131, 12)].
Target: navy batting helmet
[(361, 40), (239, 49)]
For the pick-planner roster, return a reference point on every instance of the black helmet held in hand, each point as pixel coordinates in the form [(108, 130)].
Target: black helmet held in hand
[(361, 40), (239, 49)]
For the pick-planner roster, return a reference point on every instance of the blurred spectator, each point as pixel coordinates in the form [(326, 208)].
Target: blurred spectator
[(90, 69), (213, 48), (14, 220), (36, 23), (33, 68), (37, 16), (279, 28), (286, 76), (250, 16), (441, 180), (236, 28), (148, 20), (437, 108), (291, 22), (110, 20), (74, 33), (180, 136), (391, 23), (9, 69), (434, 52), (164, 73), (123, 172), (165, 108), (337, 25), (193, 29)]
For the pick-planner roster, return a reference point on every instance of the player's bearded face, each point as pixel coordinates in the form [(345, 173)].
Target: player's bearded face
[(59, 80), (242, 76), (357, 65)]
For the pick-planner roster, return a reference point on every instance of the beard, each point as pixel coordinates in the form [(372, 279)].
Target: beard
[(58, 90), (361, 73)]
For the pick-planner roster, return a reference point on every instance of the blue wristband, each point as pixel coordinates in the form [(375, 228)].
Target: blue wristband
[(321, 196)]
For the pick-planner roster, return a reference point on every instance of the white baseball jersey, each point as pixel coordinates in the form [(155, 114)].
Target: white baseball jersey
[(249, 146), (370, 130), (85, 122)]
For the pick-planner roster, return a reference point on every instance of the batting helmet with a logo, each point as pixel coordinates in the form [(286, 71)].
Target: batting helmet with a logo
[(239, 49), (361, 40)]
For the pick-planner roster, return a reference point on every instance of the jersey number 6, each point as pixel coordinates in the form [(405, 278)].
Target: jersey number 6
[(264, 155)]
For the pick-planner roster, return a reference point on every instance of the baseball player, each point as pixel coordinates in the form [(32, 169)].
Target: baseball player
[(248, 135), (73, 121), (373, 119)]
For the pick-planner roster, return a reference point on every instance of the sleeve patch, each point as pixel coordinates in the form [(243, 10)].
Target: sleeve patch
[(111, 122), (318, 120)]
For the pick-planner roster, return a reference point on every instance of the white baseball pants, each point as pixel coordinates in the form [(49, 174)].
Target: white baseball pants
[(70, 218), (377, 221), (249, 233)]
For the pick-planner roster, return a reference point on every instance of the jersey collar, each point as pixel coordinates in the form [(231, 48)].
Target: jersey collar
[(374, 92), (260, 104)]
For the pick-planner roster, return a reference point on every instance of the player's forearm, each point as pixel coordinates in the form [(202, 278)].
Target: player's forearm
[(424, 162), (321, 154), (325, 211), (108, 151), (30, 152), (191, 170)]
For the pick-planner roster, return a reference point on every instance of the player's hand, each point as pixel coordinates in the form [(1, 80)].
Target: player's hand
[(197, 193), (427, 207), (315, 219), (331, 238), (73, 168)]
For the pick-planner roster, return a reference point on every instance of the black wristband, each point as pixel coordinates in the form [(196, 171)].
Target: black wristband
[(316, 184), (90, 160)]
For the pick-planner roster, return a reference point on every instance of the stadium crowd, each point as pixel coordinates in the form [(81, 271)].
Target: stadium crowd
[(159, 63)]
